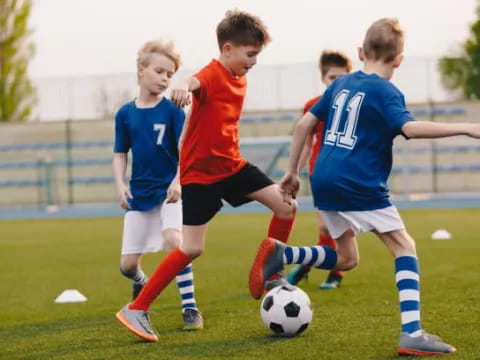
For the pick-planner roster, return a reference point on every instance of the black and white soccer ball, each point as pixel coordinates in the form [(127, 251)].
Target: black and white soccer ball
[(286, 310)]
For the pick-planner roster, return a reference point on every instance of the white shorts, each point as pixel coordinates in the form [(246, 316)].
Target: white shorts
[(142, 230), (381, 221)]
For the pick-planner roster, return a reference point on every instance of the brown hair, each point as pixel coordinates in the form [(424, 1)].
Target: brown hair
[(384, 40), (241, 28), (330, 58), (157, 47)]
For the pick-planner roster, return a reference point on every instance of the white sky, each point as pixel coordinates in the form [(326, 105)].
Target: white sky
[(80, 37)]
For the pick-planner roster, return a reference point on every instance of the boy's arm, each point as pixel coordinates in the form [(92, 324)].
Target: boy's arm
[(290, 183), (306, 152), (119, 170), (181, 96), (431, 130)]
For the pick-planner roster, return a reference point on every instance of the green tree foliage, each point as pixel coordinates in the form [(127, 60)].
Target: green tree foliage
[(463, 72), (17, 94)]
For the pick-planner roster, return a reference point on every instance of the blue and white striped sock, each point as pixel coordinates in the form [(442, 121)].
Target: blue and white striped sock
[(407, 278), (137, 276), (322, 257), (185, 286)]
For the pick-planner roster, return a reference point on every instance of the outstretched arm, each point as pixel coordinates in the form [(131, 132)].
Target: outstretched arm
[(290, 183), (182, 95), (432, 130)]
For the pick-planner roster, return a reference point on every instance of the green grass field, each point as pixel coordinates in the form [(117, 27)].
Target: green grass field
[(39, 259)]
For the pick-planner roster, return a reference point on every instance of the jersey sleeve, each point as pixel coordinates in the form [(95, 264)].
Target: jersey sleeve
[(206, 79), (122, 136), (396, 112), (321, 108)]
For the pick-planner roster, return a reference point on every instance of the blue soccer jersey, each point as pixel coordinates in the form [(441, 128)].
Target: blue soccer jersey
[(152, 135), (363, 114)]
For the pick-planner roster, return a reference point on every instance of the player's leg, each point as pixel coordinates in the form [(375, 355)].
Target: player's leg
[(135, 227), (272, 255), (281, 223), (172, 234), (334, 277), (413, 340), (300, 272)]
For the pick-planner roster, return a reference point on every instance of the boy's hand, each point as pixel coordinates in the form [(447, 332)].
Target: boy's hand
[(174, 192), (181, 97), (289, 185), (474, 131), (124, 194)]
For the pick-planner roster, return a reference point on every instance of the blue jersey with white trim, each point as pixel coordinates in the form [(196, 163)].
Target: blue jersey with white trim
[(152, 135), (363, 114)]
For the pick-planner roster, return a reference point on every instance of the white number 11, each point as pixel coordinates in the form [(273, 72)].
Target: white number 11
[(345, 138)]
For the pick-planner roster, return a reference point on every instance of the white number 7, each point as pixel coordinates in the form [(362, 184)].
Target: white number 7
[(161, 131)]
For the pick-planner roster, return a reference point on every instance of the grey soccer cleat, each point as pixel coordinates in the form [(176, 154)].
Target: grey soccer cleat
[(192, 319), (277, 279), (138, 322), (423, 345), (268, 261)]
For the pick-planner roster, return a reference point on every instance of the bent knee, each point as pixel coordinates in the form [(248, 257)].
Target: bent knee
[(287, 211), (347, 263), (192, 251), (172, 238)]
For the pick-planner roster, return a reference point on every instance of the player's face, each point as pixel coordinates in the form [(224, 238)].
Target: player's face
[(241, 58), (155, 77), (333, 73)]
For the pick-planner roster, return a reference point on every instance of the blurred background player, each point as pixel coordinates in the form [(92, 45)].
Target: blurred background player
[(363, 113), (332, 64), (150, 126), (211, 165)]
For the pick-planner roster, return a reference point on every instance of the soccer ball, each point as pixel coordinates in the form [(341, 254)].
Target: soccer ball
[(286, 310)]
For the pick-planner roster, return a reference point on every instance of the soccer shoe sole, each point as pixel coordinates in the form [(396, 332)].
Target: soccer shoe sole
[(123, 320), (414, 352)]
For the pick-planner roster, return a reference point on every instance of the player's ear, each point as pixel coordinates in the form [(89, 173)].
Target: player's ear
[(227, 48), (398, 60), (361, 54)]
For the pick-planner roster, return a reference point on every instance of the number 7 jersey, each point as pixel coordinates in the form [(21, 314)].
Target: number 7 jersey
[(363, 114)]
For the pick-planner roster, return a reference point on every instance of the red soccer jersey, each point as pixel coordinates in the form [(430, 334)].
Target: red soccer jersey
[(317, 133), (210, 150)]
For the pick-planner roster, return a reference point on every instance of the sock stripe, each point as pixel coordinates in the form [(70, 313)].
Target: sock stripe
[(409, 305), (407, 263), (301, 254), (404, 274), (187, 296), (411, 327), (408, 284), (288, 255), (182, 284)]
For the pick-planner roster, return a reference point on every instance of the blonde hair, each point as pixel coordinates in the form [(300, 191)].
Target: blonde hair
[(384, 40), (157, 47), (333, 58), (242, 28)]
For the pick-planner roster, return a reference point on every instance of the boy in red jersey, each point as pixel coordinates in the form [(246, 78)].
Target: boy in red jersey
[(332, 64), (211, 167)]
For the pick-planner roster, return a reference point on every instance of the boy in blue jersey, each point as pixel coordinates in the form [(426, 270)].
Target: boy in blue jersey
[(363, 113), (150, 126)]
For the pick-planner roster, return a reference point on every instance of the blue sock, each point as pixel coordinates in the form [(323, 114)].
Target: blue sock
[(407, 278), (137, 276), (185, 286), (322, 257)]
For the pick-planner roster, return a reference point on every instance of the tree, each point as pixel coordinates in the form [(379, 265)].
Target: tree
[(463, 72), (17, 94)]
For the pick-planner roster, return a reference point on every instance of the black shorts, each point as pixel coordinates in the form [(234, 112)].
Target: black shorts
[(202, 201)]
